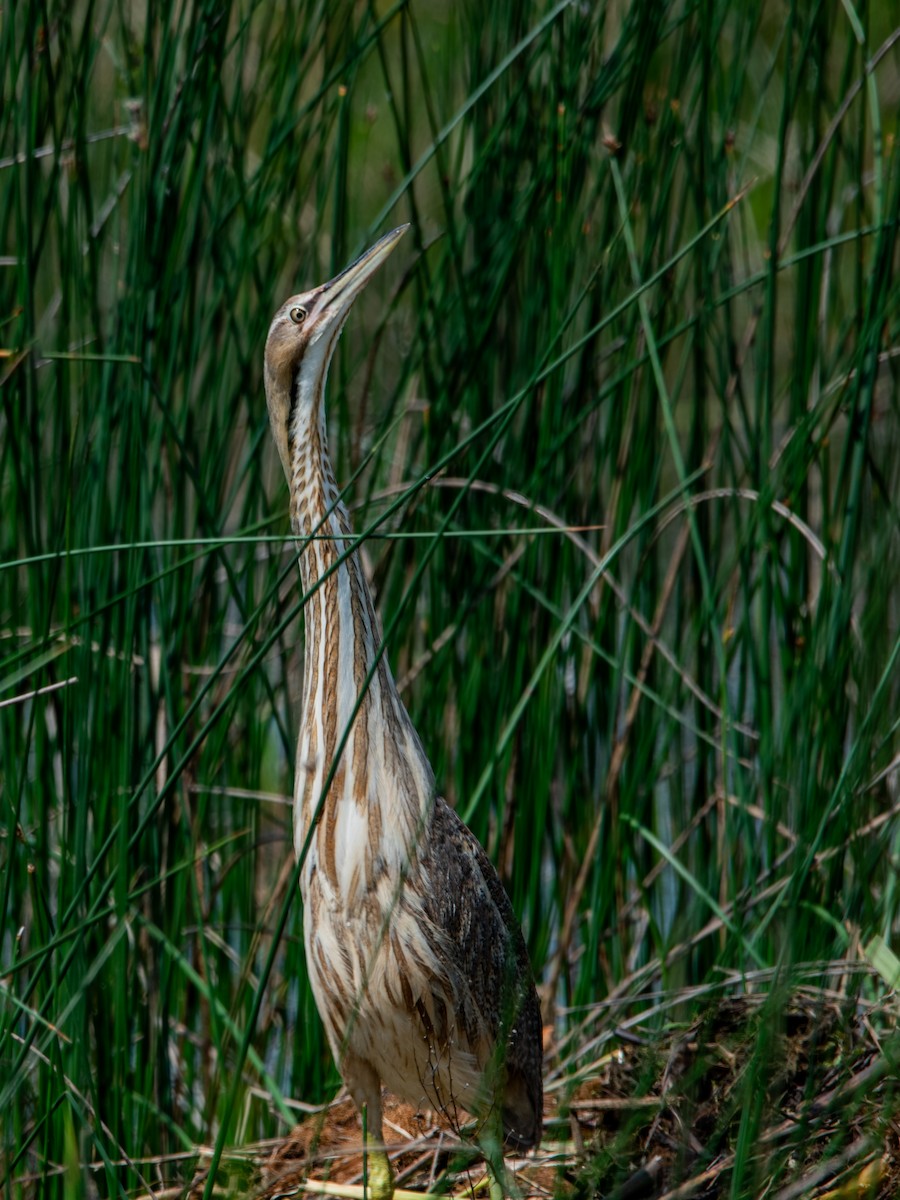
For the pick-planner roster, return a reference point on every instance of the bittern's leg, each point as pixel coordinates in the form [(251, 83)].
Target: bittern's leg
[(490, 1139), (379, 1176), (365, 1088)]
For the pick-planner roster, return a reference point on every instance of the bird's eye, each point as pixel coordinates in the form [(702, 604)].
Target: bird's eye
[(298, 314)]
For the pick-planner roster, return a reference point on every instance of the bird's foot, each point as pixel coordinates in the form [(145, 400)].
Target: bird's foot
[(501, 1184), (378, 1174), (495, 1185)]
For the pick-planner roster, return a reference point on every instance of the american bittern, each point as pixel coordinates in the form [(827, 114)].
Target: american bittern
[(416, 960)]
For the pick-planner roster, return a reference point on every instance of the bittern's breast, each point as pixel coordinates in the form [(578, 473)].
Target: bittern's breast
[(428, 981), (389, 993)]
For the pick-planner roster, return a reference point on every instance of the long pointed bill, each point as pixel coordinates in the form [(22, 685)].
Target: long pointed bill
[(339, 293)]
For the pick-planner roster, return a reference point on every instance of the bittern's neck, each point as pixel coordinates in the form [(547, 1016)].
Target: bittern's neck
[(341, 649), (316, 506)]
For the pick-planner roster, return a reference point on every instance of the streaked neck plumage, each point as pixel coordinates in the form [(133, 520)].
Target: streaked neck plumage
[(383, 774)]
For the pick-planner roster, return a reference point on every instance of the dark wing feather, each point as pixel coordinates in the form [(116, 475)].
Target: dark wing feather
[(469, 905)]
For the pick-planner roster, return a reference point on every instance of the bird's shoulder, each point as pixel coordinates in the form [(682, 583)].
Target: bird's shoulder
[(467, 899)]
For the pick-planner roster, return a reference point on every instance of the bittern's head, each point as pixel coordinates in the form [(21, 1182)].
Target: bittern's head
[(301, 341)]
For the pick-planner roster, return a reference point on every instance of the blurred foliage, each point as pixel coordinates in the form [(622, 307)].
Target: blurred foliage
[(633, 378)]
